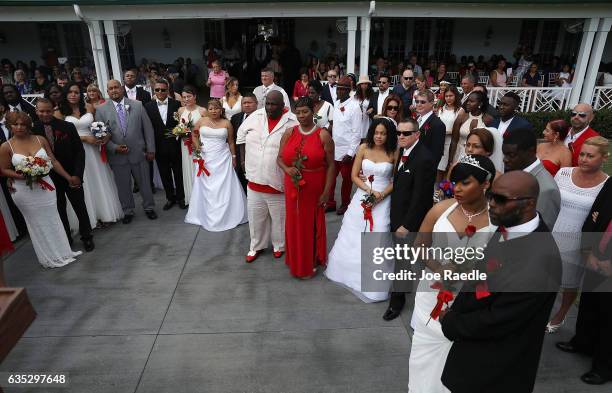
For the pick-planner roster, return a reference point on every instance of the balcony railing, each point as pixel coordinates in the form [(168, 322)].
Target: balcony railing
[(602, 97)]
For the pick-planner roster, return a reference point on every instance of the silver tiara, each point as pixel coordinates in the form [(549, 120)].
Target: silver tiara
[(390, 119), (470, 160)]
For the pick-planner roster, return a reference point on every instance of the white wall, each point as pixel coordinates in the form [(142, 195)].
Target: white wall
[(22, 42), (186, 40)]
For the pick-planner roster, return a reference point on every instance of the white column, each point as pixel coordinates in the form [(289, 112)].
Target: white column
[(99, 53), (111, 36), (351, 28), (582, 62), (598, 47), (364, 52)]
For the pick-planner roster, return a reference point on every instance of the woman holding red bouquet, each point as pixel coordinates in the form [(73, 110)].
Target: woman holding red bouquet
[(306, 155)]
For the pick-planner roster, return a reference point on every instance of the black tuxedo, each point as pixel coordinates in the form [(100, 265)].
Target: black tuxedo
[(433, 133), (27, 108), (15, 213), (68, 150), (167, 150), (326, 94), (411, 199), (141, 95), (236, 121), (497, 339), (374, 104)]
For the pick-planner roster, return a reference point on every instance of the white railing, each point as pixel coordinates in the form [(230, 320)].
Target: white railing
[(31, 98), (602, 97)]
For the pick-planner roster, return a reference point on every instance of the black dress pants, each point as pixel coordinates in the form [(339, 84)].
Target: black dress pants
[(77, 200), (171, 171)]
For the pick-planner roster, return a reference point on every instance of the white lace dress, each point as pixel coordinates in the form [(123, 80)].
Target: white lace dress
[(39, 209), (231, 110), (429, 345), (99, 186), (576, 202), (187, 159), (344, 262), (218, 202)]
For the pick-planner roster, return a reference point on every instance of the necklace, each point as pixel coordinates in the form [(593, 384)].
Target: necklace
[(308, 132), (471, 216)]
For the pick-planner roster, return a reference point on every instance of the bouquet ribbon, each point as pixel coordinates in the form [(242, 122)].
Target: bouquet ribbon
[(189, 143), (201, 167), (444, 296), (367, 215), (44, 185), (103, 153)]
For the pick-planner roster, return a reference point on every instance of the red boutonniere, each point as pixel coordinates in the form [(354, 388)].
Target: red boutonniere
[(342, 109), (426, 127), (470, 230), (59, 135), (404, 158)]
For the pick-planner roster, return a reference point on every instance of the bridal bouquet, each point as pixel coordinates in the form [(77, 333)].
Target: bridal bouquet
[(100, 130), (367, 203), (183, 130), (197, 159), (34, 169)]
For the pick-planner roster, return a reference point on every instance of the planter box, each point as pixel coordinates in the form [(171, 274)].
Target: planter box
[(16, 315)]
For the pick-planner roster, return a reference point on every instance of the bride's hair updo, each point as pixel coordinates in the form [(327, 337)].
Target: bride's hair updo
[(478, 166), (216, 102), (391, 142)]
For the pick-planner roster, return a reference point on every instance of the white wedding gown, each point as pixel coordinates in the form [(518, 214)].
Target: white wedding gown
[(344, 262), (99, 186), (187, 159), (217, 201), (39, 209), (429, 345)]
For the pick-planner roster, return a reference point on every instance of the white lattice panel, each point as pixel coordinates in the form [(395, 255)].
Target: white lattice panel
[(602, 98)]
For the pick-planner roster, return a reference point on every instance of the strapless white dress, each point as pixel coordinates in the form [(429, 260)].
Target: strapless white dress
[(99, 186), (218, 202), (39, 209), (344, 261), (429, 345)]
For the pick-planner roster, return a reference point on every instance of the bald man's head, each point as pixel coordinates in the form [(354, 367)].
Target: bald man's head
[(274, 104), (514, 196), (115, 90), (582, 116)]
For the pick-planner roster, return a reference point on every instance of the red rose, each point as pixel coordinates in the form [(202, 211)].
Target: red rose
[(426, 127), (404, 158), (470, 230), (341, 109), (301, 182), (371, 178)]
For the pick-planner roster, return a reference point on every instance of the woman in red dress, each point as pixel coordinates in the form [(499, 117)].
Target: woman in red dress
[(306, 155), (5, 247)]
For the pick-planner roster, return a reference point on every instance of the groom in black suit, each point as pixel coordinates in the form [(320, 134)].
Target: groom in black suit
[(161, 112), (68, 149), (412, 194), (497, 336), (433, 130)]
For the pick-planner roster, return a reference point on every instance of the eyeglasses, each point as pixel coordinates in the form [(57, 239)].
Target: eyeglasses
[(160, 90), (406, 133), (392, 107), (408, 78), (581, 114), (503, 199), (422, 102), (383, 82)]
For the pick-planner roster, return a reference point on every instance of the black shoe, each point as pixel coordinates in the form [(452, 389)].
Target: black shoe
[(594, 378), (153, 190), (168, 205), (89, 244), (391, 314), (567, 347), (182, 205), (330, 209), (127, 218), (151, 215), (136, 189)]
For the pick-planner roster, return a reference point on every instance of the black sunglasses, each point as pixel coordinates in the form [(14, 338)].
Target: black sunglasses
[(406, 133), (503, 199), (581, 114), (420, 102), (408, 78), (392, 107), (160, 90)]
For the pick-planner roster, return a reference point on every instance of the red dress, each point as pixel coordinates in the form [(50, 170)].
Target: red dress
[(305, 235), (551, 167), (6, 245)]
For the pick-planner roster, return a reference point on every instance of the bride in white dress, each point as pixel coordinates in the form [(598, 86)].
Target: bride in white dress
[(445, 226), (99, 187), (38, 205), (376, 157), (189, 111), (218, 202)]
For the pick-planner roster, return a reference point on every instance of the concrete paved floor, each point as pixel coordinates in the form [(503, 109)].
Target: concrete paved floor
[(165, 306)]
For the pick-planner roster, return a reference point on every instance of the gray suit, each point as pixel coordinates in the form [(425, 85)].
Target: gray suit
[(549, 199), (139, 138)]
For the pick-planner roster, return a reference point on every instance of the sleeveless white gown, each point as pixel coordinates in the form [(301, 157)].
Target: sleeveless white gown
[(429, 345), (188, 167), (99, 186), (39, 209), (344, 261), (217, 201)]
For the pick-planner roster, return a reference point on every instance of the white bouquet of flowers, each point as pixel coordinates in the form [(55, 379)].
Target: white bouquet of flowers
[(34, 169)]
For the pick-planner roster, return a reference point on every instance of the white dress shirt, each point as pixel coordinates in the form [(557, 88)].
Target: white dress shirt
[(162, 107), (131, 93), (333, 93), (16, 108), (532, 166), (423, 119), (503, 125), (261, 92), (381, 100), (521, 230), (346, 132), (569, 138), (406, 153), (4, 129)]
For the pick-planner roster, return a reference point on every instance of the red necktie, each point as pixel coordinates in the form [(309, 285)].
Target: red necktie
[(502, 229), (49, 134)]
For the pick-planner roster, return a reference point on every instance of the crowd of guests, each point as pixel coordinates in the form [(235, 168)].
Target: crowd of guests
[(271, 159)]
